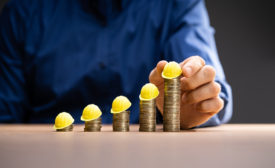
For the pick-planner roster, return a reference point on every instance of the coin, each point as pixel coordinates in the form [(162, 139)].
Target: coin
[(171, 108), (121, 121), (147, 115), (93, 125), (66, 129)]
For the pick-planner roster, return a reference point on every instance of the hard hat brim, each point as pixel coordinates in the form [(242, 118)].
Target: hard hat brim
[(143, 99), (166, 77), (86, 119), (112, 111), (117, 111), (55, 127)]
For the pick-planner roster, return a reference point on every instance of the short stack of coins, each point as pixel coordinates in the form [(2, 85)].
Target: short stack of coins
[(63, 122), (121, 116), (147, 115), (171, 108), (66, 129), (91, 116), (121, 121), (93, 125)]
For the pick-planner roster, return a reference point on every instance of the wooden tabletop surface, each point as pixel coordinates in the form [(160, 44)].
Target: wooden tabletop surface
[(231, 145)]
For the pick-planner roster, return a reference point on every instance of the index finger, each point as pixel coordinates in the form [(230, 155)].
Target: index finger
[(192, 65), (155, 75)]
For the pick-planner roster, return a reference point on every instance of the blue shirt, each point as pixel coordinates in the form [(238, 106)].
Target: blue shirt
[(62, 55)]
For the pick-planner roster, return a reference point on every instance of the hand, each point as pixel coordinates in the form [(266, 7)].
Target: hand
[(200, 93)]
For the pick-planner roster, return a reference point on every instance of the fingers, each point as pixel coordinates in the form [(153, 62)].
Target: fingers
[(201, 112), (213, 105), (205, 75), (204, 92), (156, 78), (155, 75), (192, 65)]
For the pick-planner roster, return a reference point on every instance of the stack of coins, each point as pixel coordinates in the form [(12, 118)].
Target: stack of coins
[(93, 125), (66, 129), (147, 115), (63, 122), (171, 109), (121, 121)]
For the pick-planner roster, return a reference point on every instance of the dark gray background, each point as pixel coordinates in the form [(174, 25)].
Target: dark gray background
[(245, 37)]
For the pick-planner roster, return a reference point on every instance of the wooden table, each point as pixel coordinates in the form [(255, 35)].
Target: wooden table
[(38, 146)]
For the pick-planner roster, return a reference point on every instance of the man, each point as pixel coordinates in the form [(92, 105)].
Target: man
[(62, 55)]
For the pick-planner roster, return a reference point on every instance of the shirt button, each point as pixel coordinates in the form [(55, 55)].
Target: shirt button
[(102, 65)]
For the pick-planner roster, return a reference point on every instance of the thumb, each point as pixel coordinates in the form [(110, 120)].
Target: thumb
[(155, 75)]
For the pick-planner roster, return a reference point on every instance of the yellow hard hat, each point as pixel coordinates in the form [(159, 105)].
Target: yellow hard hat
[(171, 70), (91, 112), (148, 91), (121, 103), (63, 120)]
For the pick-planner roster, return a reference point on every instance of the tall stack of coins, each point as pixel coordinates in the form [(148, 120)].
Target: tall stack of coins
[(93, 125), (91, 115), (147, 108), (63, 122), (120, 114), (121, 121), (66, 129), (171, 108), (172, 93)]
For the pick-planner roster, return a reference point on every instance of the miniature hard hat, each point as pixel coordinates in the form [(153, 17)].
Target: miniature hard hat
[(63, 120), (171, 70), (148, 91), (91, 112), (120, 103)]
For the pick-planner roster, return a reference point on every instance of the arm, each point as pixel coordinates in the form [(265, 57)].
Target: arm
[(207, 97), (13, 99)]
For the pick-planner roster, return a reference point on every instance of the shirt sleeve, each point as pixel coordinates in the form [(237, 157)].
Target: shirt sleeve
[(191, 34), (13, 99)]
